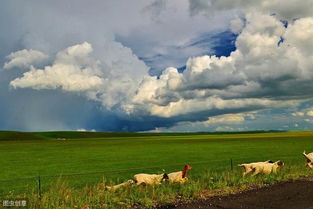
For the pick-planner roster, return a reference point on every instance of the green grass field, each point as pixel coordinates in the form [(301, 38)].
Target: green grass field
[(118, 156)]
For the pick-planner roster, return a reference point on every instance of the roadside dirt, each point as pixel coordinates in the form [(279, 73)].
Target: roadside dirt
[(285, 195)]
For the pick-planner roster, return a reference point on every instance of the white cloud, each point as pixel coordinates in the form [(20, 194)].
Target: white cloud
[(271, 67), (251, 115), (24, 59), (308, 120), (297, 114), (310, 113), (228, 128), (232, 121), (111, 82), (236, 25), (283, 9), (227, 118), (300, 35), (213, 104), (85, 130), (73, 70), (66, 77), (224, 128), (263, 72), (304, 112)]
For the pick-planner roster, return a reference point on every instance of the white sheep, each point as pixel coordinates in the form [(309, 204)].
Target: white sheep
[(309, 159), (126, 183), (266, 167), (149, 179), (179, 176)]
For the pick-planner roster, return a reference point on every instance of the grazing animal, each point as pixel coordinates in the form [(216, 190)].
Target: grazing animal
[(126, 183), (309, 159), (266, 167), (150, 179), (141, 179), (179, 176)]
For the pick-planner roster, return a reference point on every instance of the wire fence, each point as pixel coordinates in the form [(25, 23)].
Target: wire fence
[(39, 184)]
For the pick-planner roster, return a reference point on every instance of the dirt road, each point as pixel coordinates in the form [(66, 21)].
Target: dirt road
[(286, 195)]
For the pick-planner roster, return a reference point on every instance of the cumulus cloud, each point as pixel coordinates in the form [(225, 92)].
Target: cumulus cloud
[(270, 67), (76, 70), (197, 6), (227, 118), (224, 128), (236, 25), (155, 8), (84, 130), (263, 72), (283, 9), (24, 59), (310, 113), (308, 120), (300, 35), (72, 70), (304, 112), (234, 121), (297, 114)]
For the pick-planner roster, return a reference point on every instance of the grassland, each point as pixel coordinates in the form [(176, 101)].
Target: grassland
[(121, 155)]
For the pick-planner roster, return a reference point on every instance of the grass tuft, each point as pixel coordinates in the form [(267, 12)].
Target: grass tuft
[(210, 183)]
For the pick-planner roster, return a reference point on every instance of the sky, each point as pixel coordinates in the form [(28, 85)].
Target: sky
[(156, 65)]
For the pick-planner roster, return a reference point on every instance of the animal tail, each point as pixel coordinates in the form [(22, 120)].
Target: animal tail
[(110, 188), (243, 166), (306, 156), (113, 188)]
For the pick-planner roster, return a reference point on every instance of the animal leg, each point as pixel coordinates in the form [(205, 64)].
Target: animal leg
[(247, 170), (255, 171)]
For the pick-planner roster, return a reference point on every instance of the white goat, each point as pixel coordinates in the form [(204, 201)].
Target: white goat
[(126, 183), (266, 167), (180, 176), (309, 159), (141, 179), (150, 179)]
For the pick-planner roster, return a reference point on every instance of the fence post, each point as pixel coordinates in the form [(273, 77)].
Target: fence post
[(39, 187), (231, 164)]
